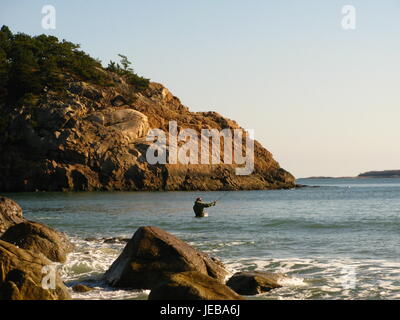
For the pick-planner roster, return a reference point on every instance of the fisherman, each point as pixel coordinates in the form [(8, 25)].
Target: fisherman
[(199, 206)]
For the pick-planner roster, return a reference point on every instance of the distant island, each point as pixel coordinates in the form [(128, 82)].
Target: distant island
[(368, 174), (326, 177), (380, 174)]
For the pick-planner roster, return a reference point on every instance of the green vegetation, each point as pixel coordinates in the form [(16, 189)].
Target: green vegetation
[(139, 82), (29, 65)]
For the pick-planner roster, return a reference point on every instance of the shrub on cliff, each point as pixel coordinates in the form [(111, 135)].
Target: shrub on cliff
[(126, 71), (29, 65)]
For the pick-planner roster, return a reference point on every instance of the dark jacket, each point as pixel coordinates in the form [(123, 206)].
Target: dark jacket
[(199, 207)]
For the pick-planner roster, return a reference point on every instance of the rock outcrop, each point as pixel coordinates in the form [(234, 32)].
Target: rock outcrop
[(131, 123), (39, 238), (152, 254), (22, 276), (10, 214), (94, 138), (192, 285), (255, 282)]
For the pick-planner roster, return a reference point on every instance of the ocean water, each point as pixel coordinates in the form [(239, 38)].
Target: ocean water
[(336, 241)]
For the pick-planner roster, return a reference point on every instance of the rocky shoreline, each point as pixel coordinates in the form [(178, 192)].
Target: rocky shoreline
[(152, 259)]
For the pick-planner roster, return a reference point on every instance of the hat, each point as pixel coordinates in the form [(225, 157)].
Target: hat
[(199, 199)]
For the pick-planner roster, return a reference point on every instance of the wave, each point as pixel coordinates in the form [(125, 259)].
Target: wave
[(324, 278), (308, 278), (87, 264)]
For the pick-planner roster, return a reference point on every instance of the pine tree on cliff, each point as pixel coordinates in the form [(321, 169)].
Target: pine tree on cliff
[(28, 65)]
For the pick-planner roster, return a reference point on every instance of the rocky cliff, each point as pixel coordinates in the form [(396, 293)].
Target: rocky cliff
[(92, 137), (68, 123)]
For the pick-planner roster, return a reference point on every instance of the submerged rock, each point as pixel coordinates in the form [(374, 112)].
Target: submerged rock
[(152, 254), (10, 214), (255, 282), (192, 285), (22, 273), (108, 240), (38, 237), (81, 288), (115, 240)]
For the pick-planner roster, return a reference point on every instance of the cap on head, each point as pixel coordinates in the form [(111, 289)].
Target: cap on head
[(199, 199)]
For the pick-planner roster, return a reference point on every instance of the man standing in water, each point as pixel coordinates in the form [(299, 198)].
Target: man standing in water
[(199, 206)]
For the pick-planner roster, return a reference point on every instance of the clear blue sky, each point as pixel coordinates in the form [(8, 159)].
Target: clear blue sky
[(323, 100)]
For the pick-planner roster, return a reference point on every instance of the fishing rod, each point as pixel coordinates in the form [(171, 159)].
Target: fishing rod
[(223, 196)]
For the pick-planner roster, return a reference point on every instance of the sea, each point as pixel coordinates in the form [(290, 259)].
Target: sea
[(335, 239)]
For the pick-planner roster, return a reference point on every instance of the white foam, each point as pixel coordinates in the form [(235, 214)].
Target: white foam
[(292, 282), (307, 278), (88, 263), (323, 278), (100, 293)]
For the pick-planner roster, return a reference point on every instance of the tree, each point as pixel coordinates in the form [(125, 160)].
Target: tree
[(125, 63), (30, 64), (126, 71)]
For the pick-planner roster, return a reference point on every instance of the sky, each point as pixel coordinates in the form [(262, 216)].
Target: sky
[(323, 99)]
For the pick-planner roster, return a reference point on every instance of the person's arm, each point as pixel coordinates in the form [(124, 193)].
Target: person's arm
[(211, 204)]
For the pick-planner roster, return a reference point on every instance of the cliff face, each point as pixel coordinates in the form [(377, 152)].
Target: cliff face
[(93, 138)]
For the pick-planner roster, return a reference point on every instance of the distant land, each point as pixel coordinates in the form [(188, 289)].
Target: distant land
[(368, 174), (380, 174), (327, 177)]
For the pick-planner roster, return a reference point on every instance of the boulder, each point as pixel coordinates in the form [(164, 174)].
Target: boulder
[(131, 123), (10, 214), (255, 282), (192, 285), (153, 253), (38, 237), (22, 273)]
